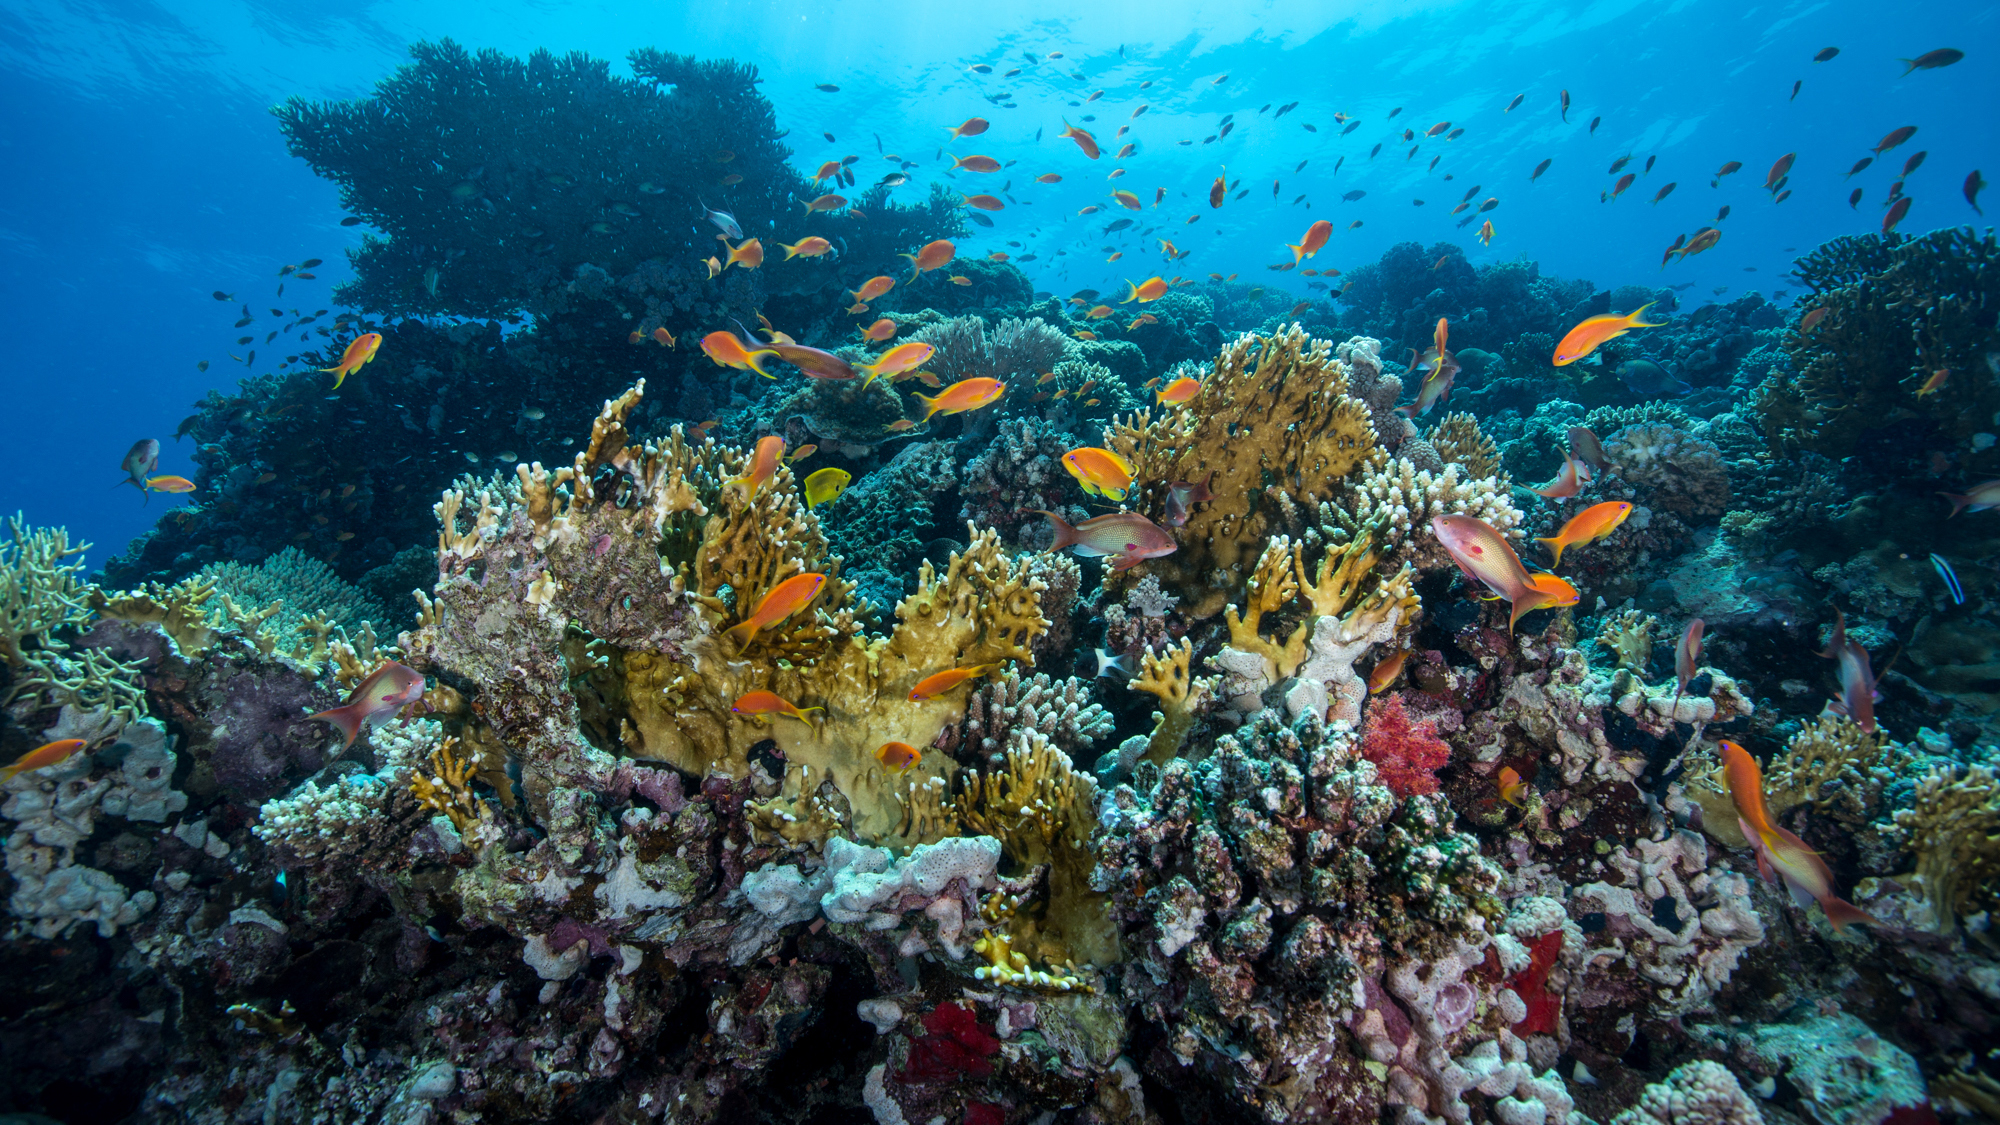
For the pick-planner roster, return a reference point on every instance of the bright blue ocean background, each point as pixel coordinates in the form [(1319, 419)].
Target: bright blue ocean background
[(145, 171)]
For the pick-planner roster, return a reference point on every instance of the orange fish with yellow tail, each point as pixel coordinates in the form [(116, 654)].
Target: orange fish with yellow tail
[(1100, 471), (899, 359), (1386, 670), (1781, 856), (1179, 391), (763, 464), (359, 351), (1148, 291), (936, 684), (725, 349), (964, 395), (1513, 790), (1587, 526), (1313, 242), (1598, 330), (42, 757), (786, 598), (757, 704), (932, 256), (1082, 137), (898, 756), (1483, 555)]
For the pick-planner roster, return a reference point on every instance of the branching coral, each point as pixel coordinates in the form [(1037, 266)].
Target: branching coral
[(1831, 765), (40, 596), (1273, 416), (1012, 349), (1402, 499), (1458, 441), (1953, 829)]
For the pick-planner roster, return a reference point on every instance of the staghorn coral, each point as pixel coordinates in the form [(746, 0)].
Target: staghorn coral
[(1273, 407), (1953, 829), (1167, 677), (40, 592)]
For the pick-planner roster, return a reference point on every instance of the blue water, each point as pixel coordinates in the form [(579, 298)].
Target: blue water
[(146, 171)]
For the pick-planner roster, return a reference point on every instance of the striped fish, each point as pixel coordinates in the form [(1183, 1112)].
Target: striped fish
[(1950, 579)]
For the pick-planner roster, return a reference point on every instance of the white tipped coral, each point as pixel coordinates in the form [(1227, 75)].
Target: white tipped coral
[(1406, 498)]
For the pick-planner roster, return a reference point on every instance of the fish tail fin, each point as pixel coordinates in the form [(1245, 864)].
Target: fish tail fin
[(791, 251), (1065, 534), (932, 407), (756, 364), (1844, 914), (742, 633), (914, 271), (1556, 549), (347, 720), (1298, 252), (1641, 311), (1526, 600), (1958, 501)]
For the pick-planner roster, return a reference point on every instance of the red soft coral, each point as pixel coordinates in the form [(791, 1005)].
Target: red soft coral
[(1406, 754), (954, 1044), (1532, 985)]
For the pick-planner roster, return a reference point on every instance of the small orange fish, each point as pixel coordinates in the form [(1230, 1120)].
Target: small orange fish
[(1141, 321), (1587, 526), (900, 425), (169, 484), (1044, 377), (828, 171), (932, 256), (811, 247), (714, 266), (1935, 383), (997, 256), (1127, 200), (1570, 481), (759, 703), (749, 254), (1386, 670), (786, 598), (1083, 139), (359, 351), (1782, 856), (665, 337), (879, 331), (1597, 330), (857, 307), (41, 757), (874, 287), (1811, 320), (827, 202), (975, 163), (898, 756), (1129, 149), (1100, 471), (763, 463), (983, 202), (973, 127), (964, 395), (375, 700), (899, 359), (634, 338), (1513, 790), (803, 452), (725, 349), (1179, 391), (960, 279), (1116, 256), (1099, 312), (1146, 292), (1313, 242), (932, 686), (1048, 178), (1083, 335), (1486, 233)]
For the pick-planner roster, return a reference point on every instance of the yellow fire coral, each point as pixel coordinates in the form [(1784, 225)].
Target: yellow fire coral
[(1953, 829), (639, 549), (1274, 414), (447, 787)]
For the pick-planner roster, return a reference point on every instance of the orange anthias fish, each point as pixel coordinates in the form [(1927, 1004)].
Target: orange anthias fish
[(665, 338), (828, 171), (41, 757), (1083, 139), (1687, 657), (1179, 391), (359, 352), (1313, 242), (786, 598), (1935, 383), (975, 163), (1703, 239), (1100, 471), (811, 247), (932, 686), (760, 703), (1587, 526), (983, 202), (763, 463), (1513, 790), (724, 348), (749, 254), (879, 331), (1182, 496), (1148, 291), (1386, 670), (872, 288), (903, 357), (1442, 368), (973, 127), (1127, 200), (828, 202), (814, 362), (1484, 556), (964, 395), (1126, 538), (898, 756), (934, 255), (1595, 331), (375, 701), (169, 484), (1781, 855), (1486, 233)]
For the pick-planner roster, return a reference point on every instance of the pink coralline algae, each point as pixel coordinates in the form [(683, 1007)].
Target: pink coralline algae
[(1406, 754)]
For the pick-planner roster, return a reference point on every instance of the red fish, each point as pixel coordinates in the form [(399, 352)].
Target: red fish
[(814, 362), (375, 701), (359, 352), (1897, 210), (1126, 538), (759, 703), (1780, 854), (1568, 482)]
